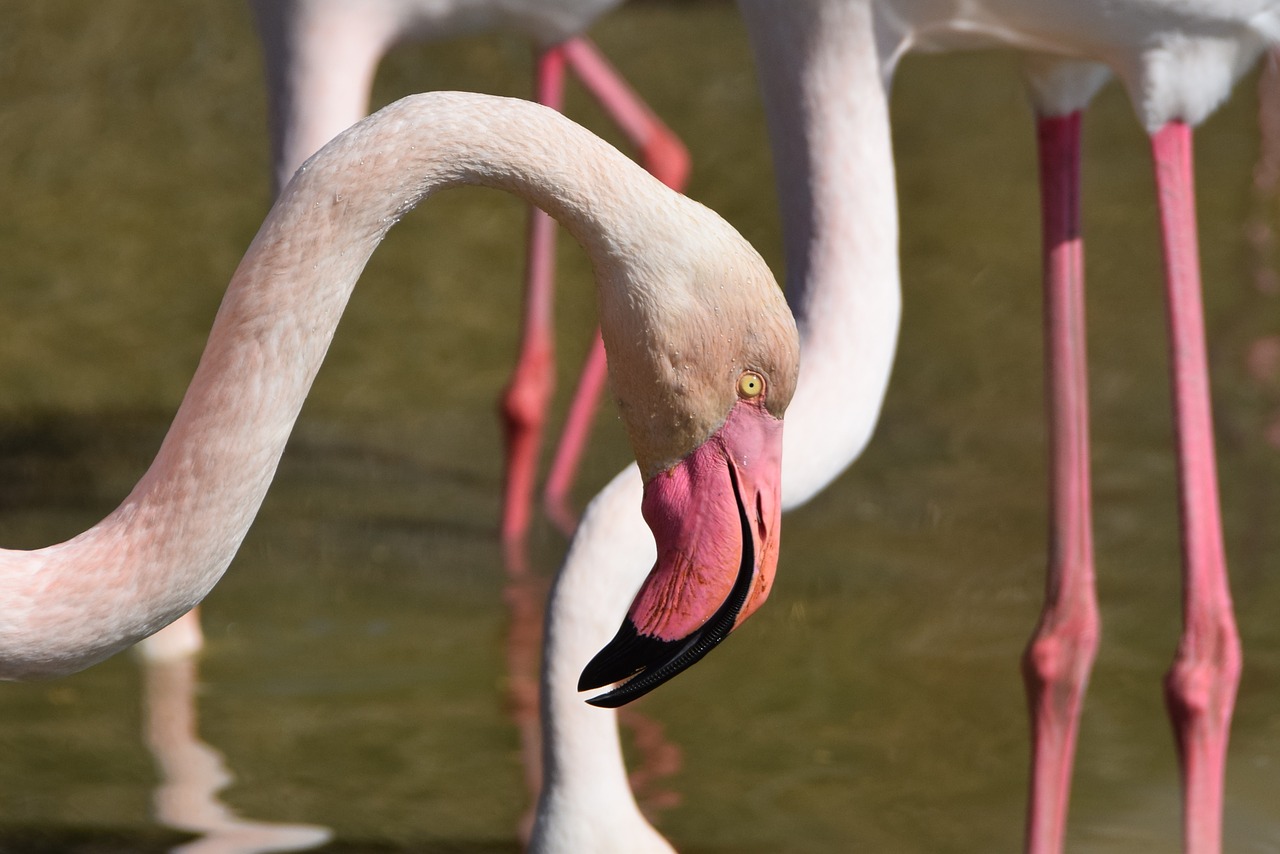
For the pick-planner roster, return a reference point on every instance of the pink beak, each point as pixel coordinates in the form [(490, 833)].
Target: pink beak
[(715, 516)]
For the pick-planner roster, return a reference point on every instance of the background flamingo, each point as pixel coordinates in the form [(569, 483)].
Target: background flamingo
[(321, 57), (326, 697), (1179, 64)]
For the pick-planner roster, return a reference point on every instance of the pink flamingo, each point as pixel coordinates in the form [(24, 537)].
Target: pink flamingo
[(320, 58), (1178, 62), (825, 69), (702, 410)]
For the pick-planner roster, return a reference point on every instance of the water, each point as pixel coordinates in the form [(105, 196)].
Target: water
[(361, 672)]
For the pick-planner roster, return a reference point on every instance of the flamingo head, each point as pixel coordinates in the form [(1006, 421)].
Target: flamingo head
[(703, 366)]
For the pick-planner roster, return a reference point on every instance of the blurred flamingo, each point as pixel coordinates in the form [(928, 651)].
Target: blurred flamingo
[(321, 57)]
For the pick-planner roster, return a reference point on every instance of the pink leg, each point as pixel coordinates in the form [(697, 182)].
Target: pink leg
[(525, 594), (573, 441), (1200, 688), (1058, 659), (524, 404), (661, 152)]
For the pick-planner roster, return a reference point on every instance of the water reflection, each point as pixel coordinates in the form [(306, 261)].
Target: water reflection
[(192, 772), (655, 758), (524, 594)]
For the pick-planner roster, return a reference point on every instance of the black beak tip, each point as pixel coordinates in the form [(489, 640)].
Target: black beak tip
[(639, 663), (626, 659)]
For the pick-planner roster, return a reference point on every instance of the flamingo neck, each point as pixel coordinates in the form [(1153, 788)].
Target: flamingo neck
[(826, 101), (162, 550), (585, 803)]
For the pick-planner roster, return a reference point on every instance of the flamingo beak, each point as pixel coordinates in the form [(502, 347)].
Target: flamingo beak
[(715, 516)]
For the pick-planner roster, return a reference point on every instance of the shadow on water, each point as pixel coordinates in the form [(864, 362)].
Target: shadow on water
[(84, 464), (105, 840), (110, 841)]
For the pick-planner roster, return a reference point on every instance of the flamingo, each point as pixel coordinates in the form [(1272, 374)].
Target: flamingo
[(825, 67), (1178, 61), (703, 350), (320, 59)]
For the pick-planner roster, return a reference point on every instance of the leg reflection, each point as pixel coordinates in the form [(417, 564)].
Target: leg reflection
[(656, 758), (524, 595), (192, 773)]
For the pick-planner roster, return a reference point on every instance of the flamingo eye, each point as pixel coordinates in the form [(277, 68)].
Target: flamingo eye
[(750, 385)]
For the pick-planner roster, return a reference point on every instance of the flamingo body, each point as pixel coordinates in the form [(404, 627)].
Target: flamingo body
[(321, 55), (1178, 59)]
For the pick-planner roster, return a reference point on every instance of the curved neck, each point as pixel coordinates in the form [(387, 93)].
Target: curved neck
[(827, 108), (164, 548)]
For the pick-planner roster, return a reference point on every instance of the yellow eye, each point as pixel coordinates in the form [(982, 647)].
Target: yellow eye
[(750, 384)]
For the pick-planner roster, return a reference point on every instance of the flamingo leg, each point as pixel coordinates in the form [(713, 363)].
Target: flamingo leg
[(523, 407), (658, 148), (659, 151), (573, 439), (1200, 688), (1060, 655)]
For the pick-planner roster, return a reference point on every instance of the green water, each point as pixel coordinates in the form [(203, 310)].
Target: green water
[(358, 671)]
